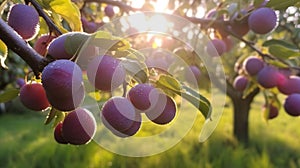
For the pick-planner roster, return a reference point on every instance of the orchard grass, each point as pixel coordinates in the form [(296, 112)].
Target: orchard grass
[(26, 142)]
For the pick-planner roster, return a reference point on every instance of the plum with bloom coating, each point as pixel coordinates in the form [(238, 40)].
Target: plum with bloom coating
[(118, 113), (58, 135), (33, 96), (143, 96), (24, 20), (252, 65), (62, 80), (262, 20), (291, 104), (105, 73), (164, 110), (79, 127)]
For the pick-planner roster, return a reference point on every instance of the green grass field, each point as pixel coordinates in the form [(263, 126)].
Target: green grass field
[(26, 142)]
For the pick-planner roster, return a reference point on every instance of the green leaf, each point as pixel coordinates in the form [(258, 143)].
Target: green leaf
[(58, 118), (136, 69), (202, 106), (200, 102), (3, 5), (8, 95), (257, 3), (68, 11), (136, 54), (196, 94), (281, 4), (106, 41), (271, 99), (250, 88), (282, 52), (169, 82), (279, 42), (279, 64), (3, 54), (131, 54), (74, 42)]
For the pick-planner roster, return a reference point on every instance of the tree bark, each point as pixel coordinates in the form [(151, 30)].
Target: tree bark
[(240, 119), (241, 109)]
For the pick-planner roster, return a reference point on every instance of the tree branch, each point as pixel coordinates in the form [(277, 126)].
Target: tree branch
[(220, 24), (52, 27), (19, 46)]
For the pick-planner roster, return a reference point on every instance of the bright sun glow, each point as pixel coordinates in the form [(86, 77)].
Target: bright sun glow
[(199, 14), (161, 6), (155, 23), (137, 3), (159, 23)]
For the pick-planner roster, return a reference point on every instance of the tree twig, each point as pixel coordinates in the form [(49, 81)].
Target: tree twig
[(52, 27)]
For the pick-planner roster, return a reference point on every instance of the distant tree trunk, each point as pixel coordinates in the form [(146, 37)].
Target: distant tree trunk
[(241, 108)]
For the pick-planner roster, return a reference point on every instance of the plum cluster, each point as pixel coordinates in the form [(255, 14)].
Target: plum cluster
[(122, 116), (62, 88), (269, 77), (260, 21)]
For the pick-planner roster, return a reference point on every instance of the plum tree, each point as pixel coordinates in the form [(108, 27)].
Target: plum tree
[(262, 20), (143, 96), (215, 47), (291, 104), (268, 77), (105, 73), (62, 80), (33, 96), (58, 135), (118, 113), (252, 65), (240, 83), (289, 85), (224, 22), (79, 127), (42, 43), (24, 20), (163, 111)]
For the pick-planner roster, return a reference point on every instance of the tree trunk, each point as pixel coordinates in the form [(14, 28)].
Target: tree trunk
[(241, 108)]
